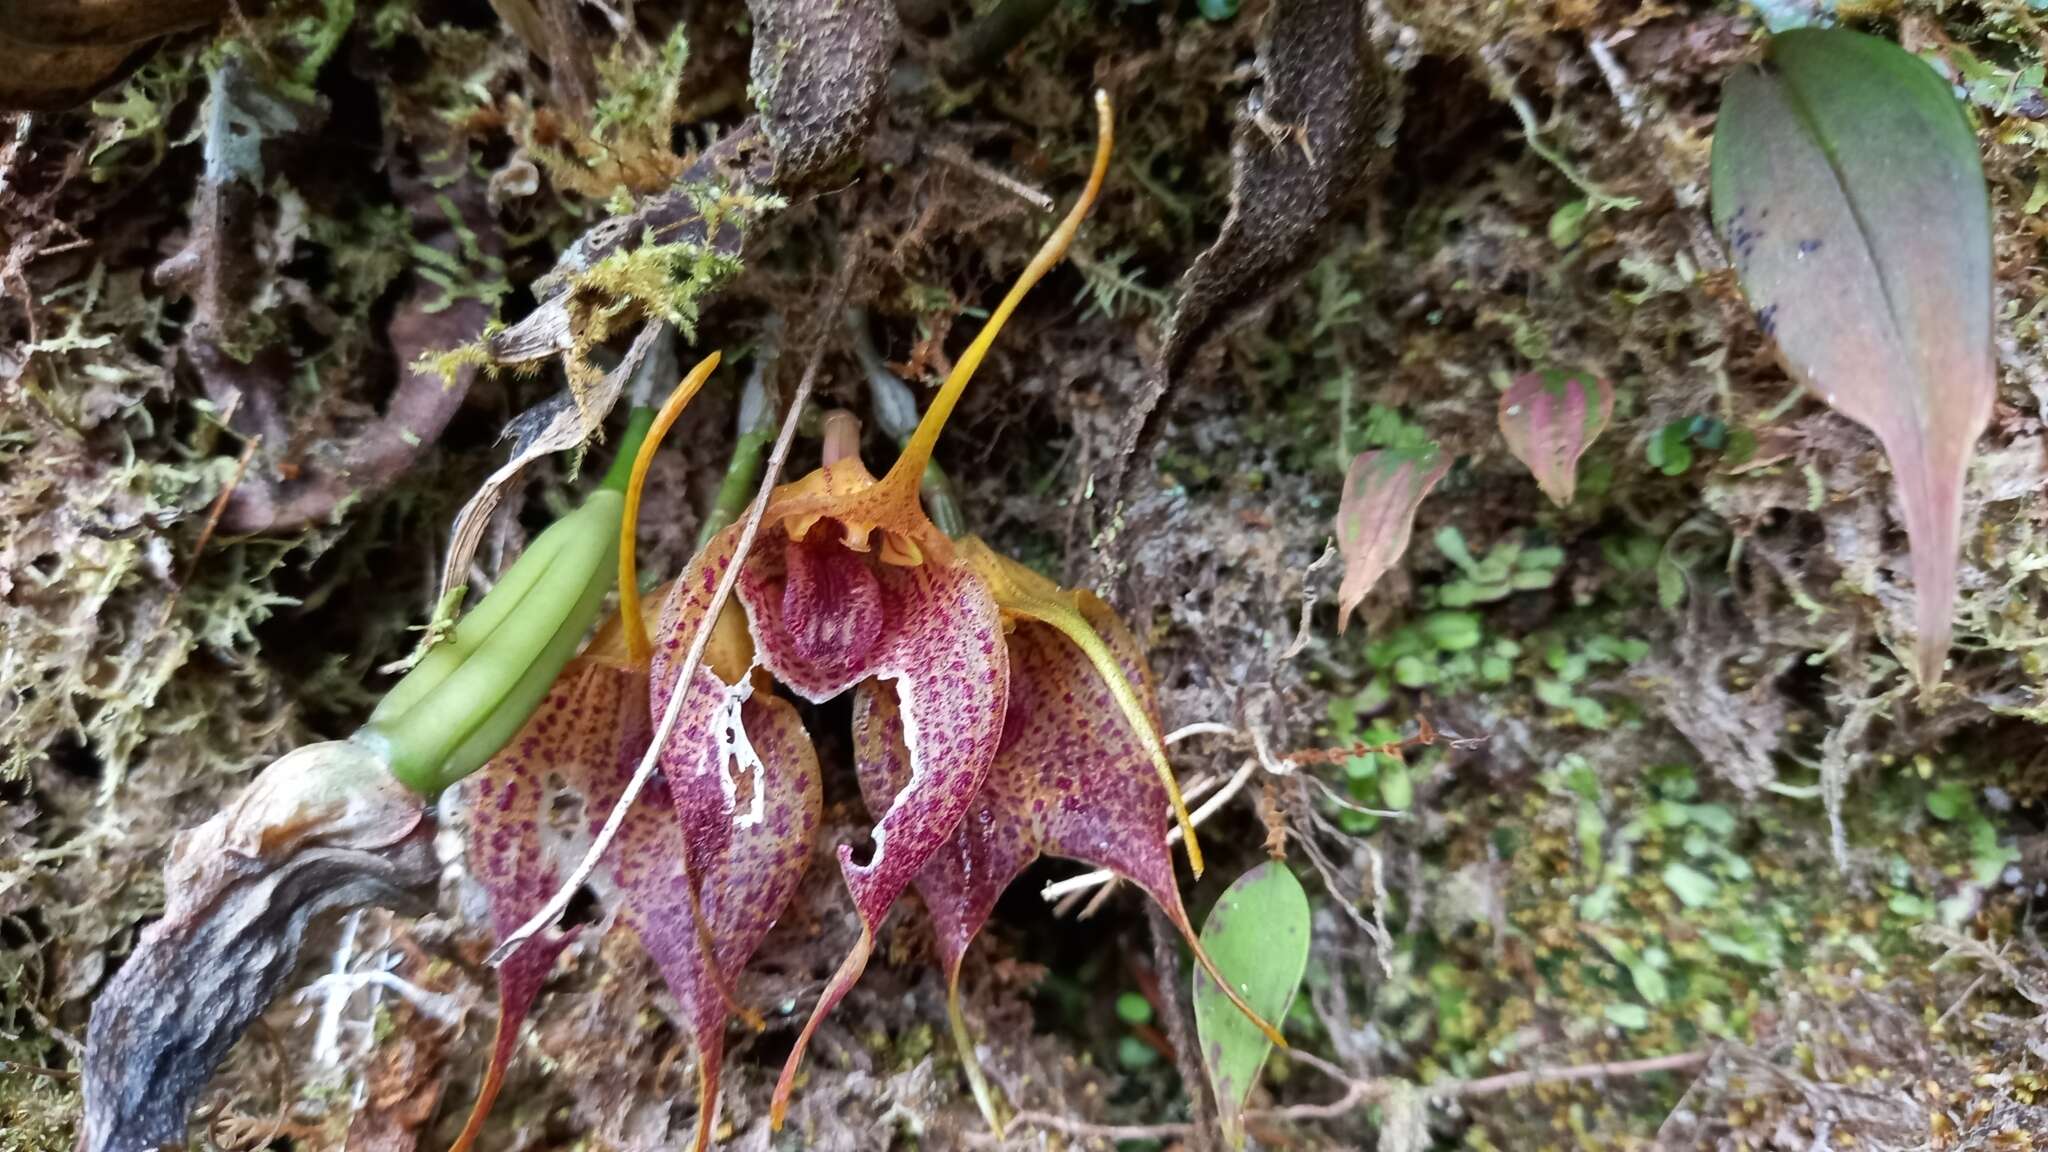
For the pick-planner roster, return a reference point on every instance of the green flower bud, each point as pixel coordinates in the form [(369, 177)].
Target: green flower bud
[(470, 694)]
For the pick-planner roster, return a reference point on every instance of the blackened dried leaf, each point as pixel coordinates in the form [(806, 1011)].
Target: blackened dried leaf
[(325, 828), (1304, 146), (820, 68)]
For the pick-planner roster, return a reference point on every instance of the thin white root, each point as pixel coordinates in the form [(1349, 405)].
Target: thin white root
[(1058, 889)]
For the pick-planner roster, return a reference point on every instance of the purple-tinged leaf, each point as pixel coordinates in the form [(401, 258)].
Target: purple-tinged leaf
[(1549, 419), (1376, 515), (1848, 187)]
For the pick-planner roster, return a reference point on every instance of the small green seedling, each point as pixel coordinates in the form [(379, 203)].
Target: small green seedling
[(1508, 567)]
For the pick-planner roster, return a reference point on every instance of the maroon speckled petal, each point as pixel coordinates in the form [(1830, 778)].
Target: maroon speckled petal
[(832, 606), (940, 638), (576, 723), (1071, 780), (767, 808)]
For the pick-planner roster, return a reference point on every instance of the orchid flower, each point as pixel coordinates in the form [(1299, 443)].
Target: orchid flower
[(1072, 776), (700, 903), (847, 584), (850, 583)]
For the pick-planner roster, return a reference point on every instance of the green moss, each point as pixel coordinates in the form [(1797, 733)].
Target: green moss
[(1659, 915), (38, 1114)]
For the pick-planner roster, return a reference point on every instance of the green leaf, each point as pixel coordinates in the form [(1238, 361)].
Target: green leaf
[(1847, 185), (1693, 888), (1950, 800), (1568, 223), (1397, 788), (1135, 1054), (1649, 982), (1452, 631), (1670, 582), (1714, 818), (1668, 451), (1258, 935), (1631, 1016), (1132, 1008)]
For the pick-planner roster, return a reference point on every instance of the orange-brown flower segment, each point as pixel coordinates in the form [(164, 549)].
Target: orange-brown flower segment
[(846, 493), (638, 647)]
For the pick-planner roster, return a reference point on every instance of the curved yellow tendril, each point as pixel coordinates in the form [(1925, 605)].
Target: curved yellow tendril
[(639, 649), (917, 451)]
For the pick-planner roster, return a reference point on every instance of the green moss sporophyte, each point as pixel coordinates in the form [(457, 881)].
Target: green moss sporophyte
[(469, 694)]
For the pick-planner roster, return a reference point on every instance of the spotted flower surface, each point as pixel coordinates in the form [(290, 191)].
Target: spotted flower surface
[(704, 861), (740, 766), (849, 584), (1073, 777), (825, 613)]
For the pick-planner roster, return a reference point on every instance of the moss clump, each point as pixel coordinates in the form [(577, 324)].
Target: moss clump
[(1658, 915)]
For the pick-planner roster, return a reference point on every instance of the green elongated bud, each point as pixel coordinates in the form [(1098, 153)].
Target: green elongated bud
[(468, 696)]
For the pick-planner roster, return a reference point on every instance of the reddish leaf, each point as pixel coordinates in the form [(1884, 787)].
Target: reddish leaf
[(1847, 184), (1382, 489), (1549, 419)]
